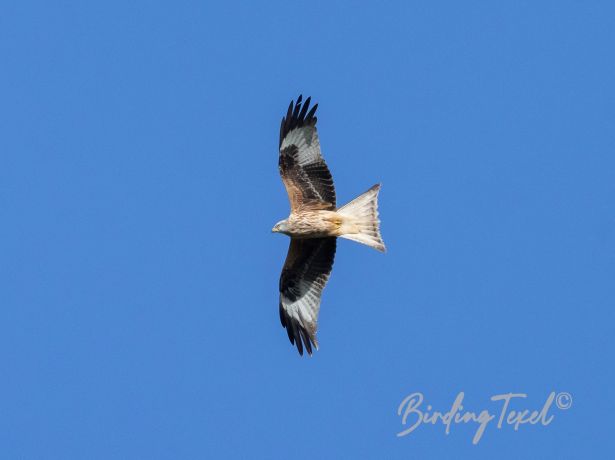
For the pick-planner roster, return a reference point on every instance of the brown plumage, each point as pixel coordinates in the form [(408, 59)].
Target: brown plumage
[(314, 224)]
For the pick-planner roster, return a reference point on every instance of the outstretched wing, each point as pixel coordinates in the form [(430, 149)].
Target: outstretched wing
[(305, 175), (305, 273)]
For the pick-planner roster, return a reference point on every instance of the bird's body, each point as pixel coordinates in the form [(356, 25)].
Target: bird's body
[(314, 224)]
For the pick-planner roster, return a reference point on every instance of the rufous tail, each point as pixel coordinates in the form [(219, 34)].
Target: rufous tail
[(361, 223)]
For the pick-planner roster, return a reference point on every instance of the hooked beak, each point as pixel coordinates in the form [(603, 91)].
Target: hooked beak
[(274, 230)]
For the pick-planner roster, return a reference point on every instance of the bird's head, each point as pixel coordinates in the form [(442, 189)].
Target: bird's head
[(280, 227)]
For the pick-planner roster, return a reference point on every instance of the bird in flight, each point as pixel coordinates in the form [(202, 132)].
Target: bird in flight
[(314, 224)]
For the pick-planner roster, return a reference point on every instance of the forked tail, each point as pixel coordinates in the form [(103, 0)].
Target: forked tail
[(361, 223)]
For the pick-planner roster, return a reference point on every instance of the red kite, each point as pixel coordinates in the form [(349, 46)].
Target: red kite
[(314, 224)]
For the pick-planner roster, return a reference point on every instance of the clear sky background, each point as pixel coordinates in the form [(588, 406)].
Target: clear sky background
[(139, 185)]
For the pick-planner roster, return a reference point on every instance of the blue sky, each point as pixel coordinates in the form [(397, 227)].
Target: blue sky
[(139, 184)]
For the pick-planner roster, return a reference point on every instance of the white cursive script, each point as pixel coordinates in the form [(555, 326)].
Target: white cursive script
[(413, 416)]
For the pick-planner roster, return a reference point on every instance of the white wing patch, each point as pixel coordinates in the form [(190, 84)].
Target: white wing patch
[(305, 309), (306, 140), (303, 279)]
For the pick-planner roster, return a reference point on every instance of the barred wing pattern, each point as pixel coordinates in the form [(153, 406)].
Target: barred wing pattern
[(305, 174), (305, 273)]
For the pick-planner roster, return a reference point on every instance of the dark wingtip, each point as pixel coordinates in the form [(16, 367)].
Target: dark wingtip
[(297, 116), (297, 334)]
